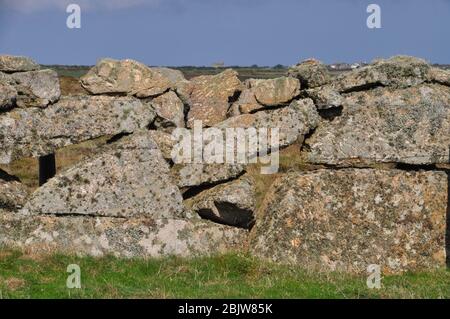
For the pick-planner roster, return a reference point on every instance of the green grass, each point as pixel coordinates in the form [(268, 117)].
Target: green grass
[(228, 276)]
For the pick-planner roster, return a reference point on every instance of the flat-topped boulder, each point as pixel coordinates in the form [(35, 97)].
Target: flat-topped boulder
[(129, 77), (36, 88), (398, 71), (274, 92), (311, 73), (209, 97), (410, 126), (346, 220), (130, 178), (73, 119), (11, 63), (424, 95), (264, 94), (121, 237)]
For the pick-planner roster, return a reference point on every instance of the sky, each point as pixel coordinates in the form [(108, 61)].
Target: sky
[(238, 32)]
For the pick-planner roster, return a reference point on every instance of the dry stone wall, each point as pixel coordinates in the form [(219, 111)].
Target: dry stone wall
[(372, 187)]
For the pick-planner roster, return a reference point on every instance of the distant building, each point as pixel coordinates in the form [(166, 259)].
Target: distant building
[(219, 64)]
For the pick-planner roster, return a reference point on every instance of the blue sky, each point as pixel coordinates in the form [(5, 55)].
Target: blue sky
[(238, 32)]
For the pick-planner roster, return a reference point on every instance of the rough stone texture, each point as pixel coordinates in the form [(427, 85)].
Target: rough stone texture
[(164, 141), (398, 71), (293, 121), (325, 97), (36, 132), (246, 103), (188, 175), (145, 237), (12, 193), (9, 63), (231, 203), (348, 219), (440, 76), (8, 95), (407, 126), (125, 77), (311, 73), (129, 179), (273, 92), (209, 97), (175, 77), (169, 111), (36, 88), (424, 95)]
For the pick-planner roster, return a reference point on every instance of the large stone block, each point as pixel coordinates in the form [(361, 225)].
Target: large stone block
[(130, 178), (143, 237), (36, 132), (346, 220)]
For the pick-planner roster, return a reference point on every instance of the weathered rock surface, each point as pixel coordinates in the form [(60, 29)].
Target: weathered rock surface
[(175, 77), (12, 193), (8, 95), (311, 73), (231, 203), (409, 126), (164, 141), (10, 63), (398, 71), (246, 103), (440, 76), (351, 218), (169, 111), (36, 132), (273, 92), (325, 97), (36, 88), (424, 95), (125, 77), (192, 174), (144, 237), (293, 121), (129, 179), (209, 97)]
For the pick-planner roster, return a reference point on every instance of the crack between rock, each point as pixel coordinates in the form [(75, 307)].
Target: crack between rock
[(364, 87), (192, 191)]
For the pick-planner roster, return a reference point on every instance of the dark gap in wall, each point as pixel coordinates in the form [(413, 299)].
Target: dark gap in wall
[(47, 168), (238, 217), (416, 167), (234, 97), (331, 113), (364, 87), (304, 146), (117, 137), (8, 178), (152, 126), (74, 215), (270, 108)]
